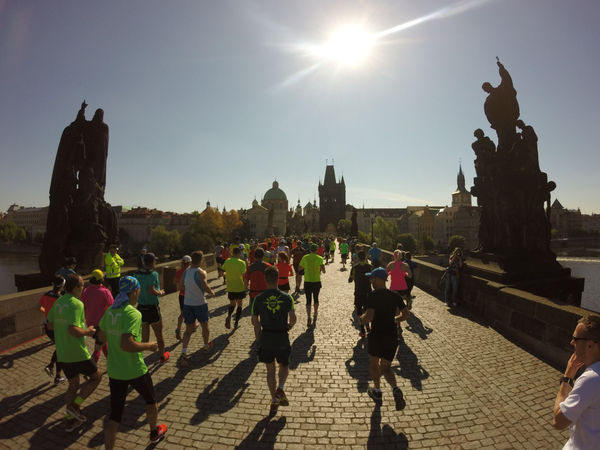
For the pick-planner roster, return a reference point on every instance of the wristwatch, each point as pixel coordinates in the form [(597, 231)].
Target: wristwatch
[(566, 380)]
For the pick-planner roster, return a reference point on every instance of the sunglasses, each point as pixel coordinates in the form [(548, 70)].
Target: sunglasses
[(575, 338)]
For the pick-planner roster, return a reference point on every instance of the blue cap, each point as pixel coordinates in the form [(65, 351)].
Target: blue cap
[(128, 284), (380, 272)]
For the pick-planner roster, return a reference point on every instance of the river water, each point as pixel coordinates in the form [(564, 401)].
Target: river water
[(588, 268)]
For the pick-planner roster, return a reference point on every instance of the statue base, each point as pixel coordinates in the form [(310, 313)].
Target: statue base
[(539, 274)]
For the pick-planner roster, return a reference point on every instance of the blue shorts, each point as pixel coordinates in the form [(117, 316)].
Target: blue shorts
[(191, 313)]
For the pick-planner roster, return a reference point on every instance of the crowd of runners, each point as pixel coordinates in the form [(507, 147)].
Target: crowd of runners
[(118, 312)]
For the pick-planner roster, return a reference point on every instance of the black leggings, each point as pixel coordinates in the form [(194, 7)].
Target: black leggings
[(311, 289), (118, 392)]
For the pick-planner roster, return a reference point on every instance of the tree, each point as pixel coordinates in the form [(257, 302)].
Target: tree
[(231, 224), (193, 240), (210, 222), (385, 233), (408, 241), (343, 227), (164, 242), (456, 241), (9, 232), (427, 244)]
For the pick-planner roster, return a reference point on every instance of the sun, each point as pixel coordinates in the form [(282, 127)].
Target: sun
[(349, 45)]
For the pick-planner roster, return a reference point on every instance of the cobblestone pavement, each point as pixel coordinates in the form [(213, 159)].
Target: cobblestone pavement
[(465, 386)]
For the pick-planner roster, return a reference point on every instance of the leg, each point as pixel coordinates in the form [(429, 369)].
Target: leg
[(205, 332), (284, 371), (375, 371), (152, 415), (271, 378), (308, 292), (189, 329), (386, 370), (316, 299), (454, 288), (110, 434), (90, 385), (118, 393), (72, 390), (157, 328), (238, 312)]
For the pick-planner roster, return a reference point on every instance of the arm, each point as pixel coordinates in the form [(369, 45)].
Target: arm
[(81, 332), (559, 420), (207, 288), (291, 319), (128, 344), (256, 324), (407, 269), (367, 316), (153, 291), (322, 267), (119, 260), (402, 314)]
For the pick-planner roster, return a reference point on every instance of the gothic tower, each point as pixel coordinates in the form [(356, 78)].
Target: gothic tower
[(332, 199), (461, 197)]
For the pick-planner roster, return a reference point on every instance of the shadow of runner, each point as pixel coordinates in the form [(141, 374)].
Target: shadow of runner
[(220, 396), (12, 404), (409, 365), (264, 434), (384, 437), (303, 348), (7, 361), (358, 365), (415, 325)]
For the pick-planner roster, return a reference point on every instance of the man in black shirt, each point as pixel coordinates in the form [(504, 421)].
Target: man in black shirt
[(385, 310), (273, 316), (362, 286)]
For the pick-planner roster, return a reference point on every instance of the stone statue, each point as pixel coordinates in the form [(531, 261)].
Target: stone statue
[(80, 223), (510, 188)]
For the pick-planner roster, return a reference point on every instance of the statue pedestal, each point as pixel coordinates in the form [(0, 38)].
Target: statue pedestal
[(539, 274)]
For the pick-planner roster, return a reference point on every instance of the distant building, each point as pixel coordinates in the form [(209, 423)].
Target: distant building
[(566, 221), (275, 201), (257, 219), (332, 198), (31, 218), (459, 219)]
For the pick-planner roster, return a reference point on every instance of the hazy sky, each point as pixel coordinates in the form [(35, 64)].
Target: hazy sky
[(213, 100)]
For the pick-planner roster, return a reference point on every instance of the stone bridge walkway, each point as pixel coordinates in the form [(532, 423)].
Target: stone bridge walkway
[(465, 386)]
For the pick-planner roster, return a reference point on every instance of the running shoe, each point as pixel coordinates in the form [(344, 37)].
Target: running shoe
[(375, 394), (72, 424), (228, 322), (49, 371), (158, 434), (178, 334), (165, 356), (58, 379), (184, 361), (75, 412), (283, 400), (208, 346)]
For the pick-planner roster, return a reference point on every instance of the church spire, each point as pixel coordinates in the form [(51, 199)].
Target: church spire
[(460, 179)]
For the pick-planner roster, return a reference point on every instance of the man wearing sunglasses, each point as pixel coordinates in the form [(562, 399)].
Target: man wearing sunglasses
[(577, 403)]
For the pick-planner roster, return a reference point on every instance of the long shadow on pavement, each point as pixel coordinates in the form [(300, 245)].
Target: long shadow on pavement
[(8, 361), (303, 348), (222, 395), (415, 325), (409, 365), (384, 437), (358, 365), (264, 434)]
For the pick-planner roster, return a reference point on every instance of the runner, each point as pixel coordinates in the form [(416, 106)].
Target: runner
[(185, 263), (313, 266), (254, 279), (68, 268), (67, 319), (385, 309), (120, 328), (285, 270), (235, 269), (344, 250), (217, 251), (375, 255), (332, 249), (46, 303), (362, 287), (195, 306), (399, 271), (327, 249), (148, 304), (273, 316), (297, 255), (96, 299)]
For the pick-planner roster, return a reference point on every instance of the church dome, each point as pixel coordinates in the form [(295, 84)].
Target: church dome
[(275, 193)]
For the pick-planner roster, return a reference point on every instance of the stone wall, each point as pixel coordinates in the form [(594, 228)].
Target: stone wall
[(21, 319)]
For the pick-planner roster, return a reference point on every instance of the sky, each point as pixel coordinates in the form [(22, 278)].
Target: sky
[(214, 100)]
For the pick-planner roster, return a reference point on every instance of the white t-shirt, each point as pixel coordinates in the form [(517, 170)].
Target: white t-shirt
[(192, 280), (582, 408)]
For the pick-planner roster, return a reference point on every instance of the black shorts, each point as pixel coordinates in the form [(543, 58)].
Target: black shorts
[(150, 313), (181, 297), (233, 296), (360, 299), (118, 392), (382, 346), (284, 287), (278, 348), (73, 369)]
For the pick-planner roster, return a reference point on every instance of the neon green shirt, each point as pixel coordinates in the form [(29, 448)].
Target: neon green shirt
[(112, 265), (122, 365), (67, 311), (311, 264), (235, 269)]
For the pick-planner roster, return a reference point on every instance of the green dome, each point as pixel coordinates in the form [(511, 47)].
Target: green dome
[(275, 193)]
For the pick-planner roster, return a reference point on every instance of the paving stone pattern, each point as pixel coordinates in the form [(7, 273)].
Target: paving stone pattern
[(464, 384)]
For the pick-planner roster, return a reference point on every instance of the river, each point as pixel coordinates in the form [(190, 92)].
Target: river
[(588, 268)]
